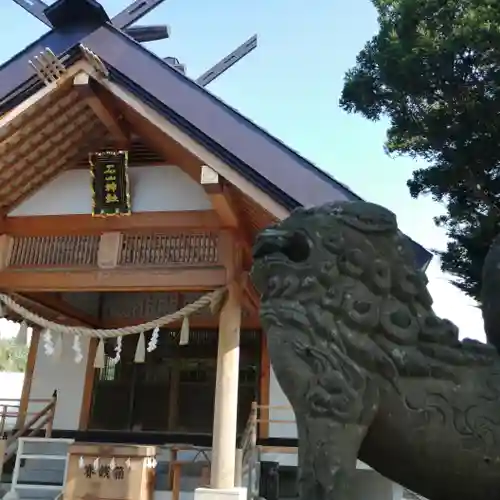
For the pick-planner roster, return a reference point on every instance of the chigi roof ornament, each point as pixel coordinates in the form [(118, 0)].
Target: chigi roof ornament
[(64, 13)]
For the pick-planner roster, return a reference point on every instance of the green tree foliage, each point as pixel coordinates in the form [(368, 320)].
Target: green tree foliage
[(13, 357), (433, 69)]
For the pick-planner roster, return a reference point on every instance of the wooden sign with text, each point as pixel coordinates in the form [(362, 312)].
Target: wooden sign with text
[(128, 478), (110, 183)]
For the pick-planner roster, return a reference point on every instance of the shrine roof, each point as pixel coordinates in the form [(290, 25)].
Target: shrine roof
[(283, 174)]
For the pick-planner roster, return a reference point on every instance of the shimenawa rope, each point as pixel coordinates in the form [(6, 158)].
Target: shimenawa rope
[(211, 299)]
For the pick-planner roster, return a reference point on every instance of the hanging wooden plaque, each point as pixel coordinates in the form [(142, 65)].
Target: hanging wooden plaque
[(110, 183)]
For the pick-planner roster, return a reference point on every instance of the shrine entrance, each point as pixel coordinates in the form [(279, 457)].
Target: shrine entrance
[(173, 390)]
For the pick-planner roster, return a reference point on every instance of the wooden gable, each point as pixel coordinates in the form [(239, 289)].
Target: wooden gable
[(45, 142), (46, 196)]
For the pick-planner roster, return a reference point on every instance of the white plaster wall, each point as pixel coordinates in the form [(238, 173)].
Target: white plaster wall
[(65, 376), (278, 398), (152, 189)]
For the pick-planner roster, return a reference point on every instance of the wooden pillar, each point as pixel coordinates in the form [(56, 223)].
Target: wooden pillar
[(28, 376), (226, 392), (88, 387), (3, 444), (173, 396)]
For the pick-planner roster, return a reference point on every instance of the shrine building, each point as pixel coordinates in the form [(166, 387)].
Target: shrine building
[(130, 198)]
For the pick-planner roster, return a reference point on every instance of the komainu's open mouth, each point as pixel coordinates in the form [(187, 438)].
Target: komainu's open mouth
[(294, 246)]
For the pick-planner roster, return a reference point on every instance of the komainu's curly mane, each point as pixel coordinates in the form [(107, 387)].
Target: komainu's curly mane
[(369, 368), (370, 284), (385, 294)]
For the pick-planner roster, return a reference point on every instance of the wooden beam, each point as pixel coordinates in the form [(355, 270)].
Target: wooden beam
[(58, 225), (28, 377), (217, 190), (219, 196), (116, 126), (173, 279)]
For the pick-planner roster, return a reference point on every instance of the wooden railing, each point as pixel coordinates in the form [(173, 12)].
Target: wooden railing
[(248, 453), (27, 424), (201, 458)]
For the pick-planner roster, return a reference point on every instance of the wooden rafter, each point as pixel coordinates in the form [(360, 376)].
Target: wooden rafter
[(64, 155), (53, 310), (115, 125), (59, 309)]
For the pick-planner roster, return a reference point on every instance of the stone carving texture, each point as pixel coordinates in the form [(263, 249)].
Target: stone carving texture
[(368, 367)]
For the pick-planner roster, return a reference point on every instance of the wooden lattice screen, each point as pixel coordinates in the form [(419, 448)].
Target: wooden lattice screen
[(54, 251), (169, 249), (136, 250)]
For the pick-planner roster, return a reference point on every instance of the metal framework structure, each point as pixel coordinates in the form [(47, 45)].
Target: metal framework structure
[(135, 11)]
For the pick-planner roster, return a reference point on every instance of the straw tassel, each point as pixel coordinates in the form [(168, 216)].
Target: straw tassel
[(22, 334), (77, 349), (140, 351), (58, 347), (48, 344), (184, 337), (100, 360)]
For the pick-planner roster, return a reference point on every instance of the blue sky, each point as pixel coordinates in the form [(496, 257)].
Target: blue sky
[(290, 85)]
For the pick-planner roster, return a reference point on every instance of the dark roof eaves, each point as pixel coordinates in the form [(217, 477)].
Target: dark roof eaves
[(423, 255), (227, 119), (270, 137), (243, 169)]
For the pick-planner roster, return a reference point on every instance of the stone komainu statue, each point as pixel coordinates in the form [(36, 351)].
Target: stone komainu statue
[(368, 367)]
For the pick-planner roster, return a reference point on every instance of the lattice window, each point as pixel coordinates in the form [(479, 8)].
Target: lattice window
[(54, 251), (169, 249)]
